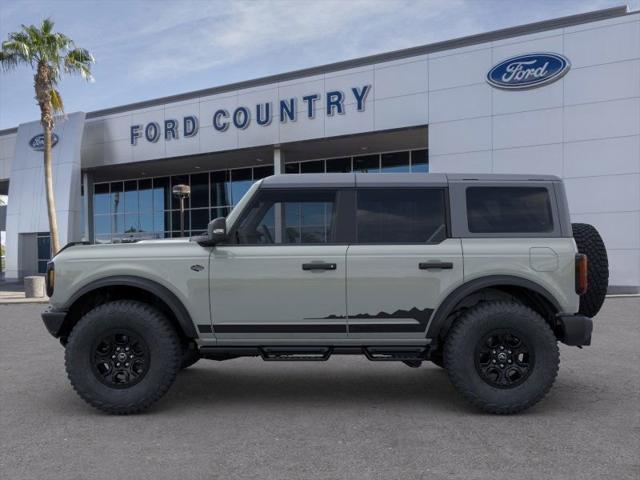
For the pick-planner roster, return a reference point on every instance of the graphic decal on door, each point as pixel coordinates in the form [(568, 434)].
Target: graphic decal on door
[(416, 320)]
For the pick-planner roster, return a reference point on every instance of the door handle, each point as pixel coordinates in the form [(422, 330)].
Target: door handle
[(319, 266), (435, 265)]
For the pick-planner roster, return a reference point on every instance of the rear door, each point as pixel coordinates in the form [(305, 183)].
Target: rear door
[(402, 262)]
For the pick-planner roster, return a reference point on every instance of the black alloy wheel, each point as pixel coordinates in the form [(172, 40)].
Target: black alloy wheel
[(120, 358), (503, 359)]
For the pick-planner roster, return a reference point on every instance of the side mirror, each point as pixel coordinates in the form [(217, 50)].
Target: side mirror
[(216, 233), (217, 230)]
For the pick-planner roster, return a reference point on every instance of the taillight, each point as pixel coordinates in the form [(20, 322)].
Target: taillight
[(50, 278), (581, 274)]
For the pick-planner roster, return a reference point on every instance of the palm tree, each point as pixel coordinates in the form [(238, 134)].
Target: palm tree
[(49, 54)]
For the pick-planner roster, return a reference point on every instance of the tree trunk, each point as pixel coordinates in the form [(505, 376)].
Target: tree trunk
[(51, 201), (43, 86)]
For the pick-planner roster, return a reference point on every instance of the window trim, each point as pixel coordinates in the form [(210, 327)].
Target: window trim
[(445, 203)]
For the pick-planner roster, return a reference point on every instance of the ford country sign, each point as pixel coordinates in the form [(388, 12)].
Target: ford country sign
[(37, 142), (528, 71)]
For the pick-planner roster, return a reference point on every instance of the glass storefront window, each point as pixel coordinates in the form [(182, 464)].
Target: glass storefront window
[(116, 198), (397, 162), (292, 167), (161, 194), (179, 180), (101, 198), (261, 172), (199, 219), (220, 194), (339, 165), (420, 161), (145, 195), (145, 208), (131, 203), (316, 166), (241, 180), (200, 190), (367, 164), (44, 251)]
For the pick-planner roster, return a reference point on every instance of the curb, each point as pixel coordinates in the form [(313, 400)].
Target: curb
[(16, 301)]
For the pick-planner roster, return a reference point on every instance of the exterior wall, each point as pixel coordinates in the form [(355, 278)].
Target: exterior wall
[(27, 207), (7, 151), (584, 127), (397, 99)]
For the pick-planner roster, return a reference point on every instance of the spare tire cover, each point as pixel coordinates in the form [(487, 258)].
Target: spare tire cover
[(589, 242)]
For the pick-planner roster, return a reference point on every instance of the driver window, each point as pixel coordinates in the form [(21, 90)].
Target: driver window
[(289, 217)]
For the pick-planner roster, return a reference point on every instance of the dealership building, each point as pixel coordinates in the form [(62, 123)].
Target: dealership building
[(557, 97)]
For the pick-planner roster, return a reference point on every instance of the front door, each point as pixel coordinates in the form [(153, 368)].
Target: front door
[(401, 264), (283, 275)]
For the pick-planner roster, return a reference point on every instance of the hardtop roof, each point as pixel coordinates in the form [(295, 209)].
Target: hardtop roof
[(345, 180)]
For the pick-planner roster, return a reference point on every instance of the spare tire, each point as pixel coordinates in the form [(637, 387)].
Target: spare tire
[(589, 242)]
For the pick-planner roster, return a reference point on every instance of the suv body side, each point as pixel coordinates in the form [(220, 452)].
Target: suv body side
[(368, 297)]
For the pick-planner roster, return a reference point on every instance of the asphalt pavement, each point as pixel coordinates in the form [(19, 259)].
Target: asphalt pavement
[(347, 418)]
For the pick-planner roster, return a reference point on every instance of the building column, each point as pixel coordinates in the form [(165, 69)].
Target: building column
[(278, 169), (87, 221), (278, 160)]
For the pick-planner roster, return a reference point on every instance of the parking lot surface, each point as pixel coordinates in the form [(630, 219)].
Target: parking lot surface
[(347, 418)]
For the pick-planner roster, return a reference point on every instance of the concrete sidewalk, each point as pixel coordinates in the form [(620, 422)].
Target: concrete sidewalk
[(13, 292)]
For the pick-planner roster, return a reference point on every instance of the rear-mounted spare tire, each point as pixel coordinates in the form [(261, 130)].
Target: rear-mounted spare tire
[(589, 242)]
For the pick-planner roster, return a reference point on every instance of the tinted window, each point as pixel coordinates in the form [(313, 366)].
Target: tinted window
[(289, 217), (509, 210), (415, 215)]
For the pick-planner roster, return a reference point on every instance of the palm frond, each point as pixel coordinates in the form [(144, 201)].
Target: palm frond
[(56, 101), (79, 61), (9, 61), (47, 26)]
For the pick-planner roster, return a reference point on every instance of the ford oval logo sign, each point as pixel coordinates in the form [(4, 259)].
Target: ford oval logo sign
[(528, 71), (37, 142)]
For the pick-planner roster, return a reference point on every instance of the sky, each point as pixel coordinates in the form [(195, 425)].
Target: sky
[(150, 49)]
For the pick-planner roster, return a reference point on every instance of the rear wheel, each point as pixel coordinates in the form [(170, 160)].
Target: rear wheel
[(502, 357), (122, 356), (590, 243)]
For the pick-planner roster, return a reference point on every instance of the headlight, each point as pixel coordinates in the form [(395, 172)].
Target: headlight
[(50, 278)]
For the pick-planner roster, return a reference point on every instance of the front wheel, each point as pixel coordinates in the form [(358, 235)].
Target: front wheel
[(502, 357), (122, 356)]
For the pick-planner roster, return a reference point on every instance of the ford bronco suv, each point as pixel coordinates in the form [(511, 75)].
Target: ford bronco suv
[(480, 274)]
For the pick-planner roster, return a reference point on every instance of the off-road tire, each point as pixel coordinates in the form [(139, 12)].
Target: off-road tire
[(150, 325), (190, 355), (589, 242), (468, 332), (436, 359)]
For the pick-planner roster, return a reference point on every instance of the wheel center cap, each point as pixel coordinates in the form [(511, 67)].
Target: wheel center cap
[(121, 356), (502, 357)]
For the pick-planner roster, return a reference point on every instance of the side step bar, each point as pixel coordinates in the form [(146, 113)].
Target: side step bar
[(395, 354), (318, 353), (280, 354)]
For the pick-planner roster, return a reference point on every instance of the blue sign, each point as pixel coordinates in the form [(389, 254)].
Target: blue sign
[(37, 142), (528, 71), (284, 110)]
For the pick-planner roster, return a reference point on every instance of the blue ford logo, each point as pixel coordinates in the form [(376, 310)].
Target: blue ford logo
[(37, 142), (528, 71)]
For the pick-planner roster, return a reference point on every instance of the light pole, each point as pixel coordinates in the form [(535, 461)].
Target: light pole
[(182, 192)]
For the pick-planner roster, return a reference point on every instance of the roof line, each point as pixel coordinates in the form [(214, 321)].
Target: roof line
[(509, 32)]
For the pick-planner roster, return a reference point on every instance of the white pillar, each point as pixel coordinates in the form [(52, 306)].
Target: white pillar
[(278, 169), (87, 221), (278, 161)]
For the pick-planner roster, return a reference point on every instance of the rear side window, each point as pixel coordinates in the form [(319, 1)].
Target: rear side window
[(412, 215), (509, 210)]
